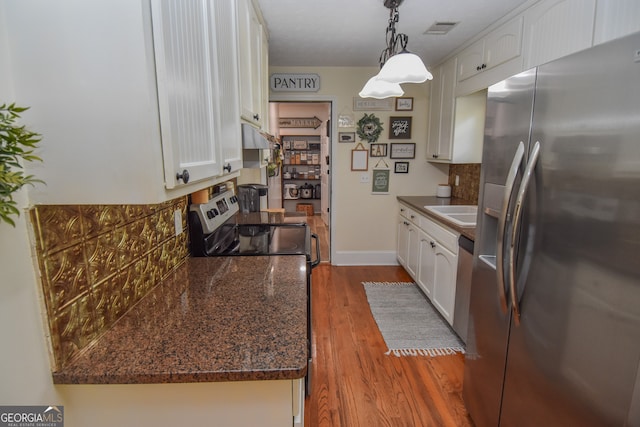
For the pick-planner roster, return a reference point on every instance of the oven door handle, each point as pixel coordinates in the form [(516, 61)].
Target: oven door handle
[(316, 261)]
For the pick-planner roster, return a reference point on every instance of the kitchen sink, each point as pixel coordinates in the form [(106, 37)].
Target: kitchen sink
[(463, 215)]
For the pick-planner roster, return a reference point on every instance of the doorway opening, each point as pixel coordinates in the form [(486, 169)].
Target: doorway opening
[(302, 185)]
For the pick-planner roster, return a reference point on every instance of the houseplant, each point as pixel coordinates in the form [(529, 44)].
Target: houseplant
[(17, 144)]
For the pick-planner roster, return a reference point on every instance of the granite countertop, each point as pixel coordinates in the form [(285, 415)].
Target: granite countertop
[(214, 319), (418, 203)]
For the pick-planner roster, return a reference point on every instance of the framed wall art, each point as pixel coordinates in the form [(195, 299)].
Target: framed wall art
[(359, 158), (346, 137), (405, 150), (404, 104), (378, 150), (400, 127), (401, 167), (380, 181)]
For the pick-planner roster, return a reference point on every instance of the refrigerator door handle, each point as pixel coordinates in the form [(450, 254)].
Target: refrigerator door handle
[(502, 224), (517, 217)]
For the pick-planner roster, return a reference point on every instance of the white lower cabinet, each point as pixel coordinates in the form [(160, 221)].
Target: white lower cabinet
[(429, 253), (426, 265), (445, 265)]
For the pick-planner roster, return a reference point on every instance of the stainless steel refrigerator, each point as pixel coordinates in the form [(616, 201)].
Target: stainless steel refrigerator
[(554, 328)]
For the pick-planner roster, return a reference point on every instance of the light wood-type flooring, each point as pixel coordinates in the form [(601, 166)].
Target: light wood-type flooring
[(354, 383)]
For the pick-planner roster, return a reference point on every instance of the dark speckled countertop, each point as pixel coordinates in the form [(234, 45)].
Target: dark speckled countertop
[(214, 319), (418, 203)]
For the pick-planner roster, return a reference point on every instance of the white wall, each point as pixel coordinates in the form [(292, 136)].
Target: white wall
[(25, 375), (364, 225)]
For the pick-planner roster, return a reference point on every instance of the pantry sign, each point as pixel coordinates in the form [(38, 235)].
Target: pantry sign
[(295, 82)]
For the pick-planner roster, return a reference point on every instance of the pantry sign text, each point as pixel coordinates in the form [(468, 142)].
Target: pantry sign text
[(289, 82)]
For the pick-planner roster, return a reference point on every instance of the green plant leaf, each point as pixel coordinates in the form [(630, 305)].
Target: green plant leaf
[(17, 145)]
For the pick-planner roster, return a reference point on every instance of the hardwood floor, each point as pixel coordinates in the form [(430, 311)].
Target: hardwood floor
[(353, 382), (318, 227)]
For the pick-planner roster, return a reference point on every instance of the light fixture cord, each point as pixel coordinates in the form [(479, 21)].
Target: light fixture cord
[(392, 37)]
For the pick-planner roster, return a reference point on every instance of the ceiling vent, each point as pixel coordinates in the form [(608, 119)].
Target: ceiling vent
[(441, 28)]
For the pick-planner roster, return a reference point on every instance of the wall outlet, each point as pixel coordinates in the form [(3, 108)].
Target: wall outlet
[(364, 178), (457, 180), (177, 221)]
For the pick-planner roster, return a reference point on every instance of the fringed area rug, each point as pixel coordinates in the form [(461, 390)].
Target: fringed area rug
[(409, 324)]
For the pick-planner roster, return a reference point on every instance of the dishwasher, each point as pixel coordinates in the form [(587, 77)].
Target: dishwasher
[(463, 287)]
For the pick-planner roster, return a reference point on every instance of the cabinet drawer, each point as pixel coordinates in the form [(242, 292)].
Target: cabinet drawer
[(446, 237), (408, 213)]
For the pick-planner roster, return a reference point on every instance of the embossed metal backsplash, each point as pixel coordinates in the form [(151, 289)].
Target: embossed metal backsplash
[(97, 261)]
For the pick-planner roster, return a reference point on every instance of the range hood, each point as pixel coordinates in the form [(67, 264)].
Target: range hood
[(253, 139)]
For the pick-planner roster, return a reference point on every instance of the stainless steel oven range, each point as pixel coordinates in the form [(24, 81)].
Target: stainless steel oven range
[(218, 228)]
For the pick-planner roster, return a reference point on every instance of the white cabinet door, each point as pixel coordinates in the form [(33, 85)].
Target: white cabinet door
[(230, 142), (441, 112), (471, 60), (185, 57), (503, 44), (444, 281), (616, 18), (555, 28), (250, 38), (403, 241), (499, 46), (413, 251), (426, 264)]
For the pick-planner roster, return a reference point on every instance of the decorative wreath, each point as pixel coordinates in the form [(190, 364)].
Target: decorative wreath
[(369, 128)]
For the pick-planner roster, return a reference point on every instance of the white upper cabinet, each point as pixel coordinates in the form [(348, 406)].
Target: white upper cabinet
[(122, 105), (230, 141), (616, 18), (441, 110), (456, 125), (556, 28), (491, 59), (185, 54), (252, 50)]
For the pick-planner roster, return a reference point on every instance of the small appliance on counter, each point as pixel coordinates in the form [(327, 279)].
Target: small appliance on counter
[(291, 192), (306, 191), (249, 196)]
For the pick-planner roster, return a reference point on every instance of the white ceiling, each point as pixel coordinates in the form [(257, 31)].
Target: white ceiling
[(352, 32)]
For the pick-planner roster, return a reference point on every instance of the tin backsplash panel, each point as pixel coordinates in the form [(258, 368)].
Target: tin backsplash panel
[(469, 186), (97, 261)]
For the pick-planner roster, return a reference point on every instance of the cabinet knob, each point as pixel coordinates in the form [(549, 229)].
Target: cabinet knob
[(484, 66), (435, 156), (478, 68), (256, 117), (227, 167), (413, 216), (433, 245), (184, 176)]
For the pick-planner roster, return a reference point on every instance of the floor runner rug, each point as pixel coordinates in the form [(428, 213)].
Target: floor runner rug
[(409, 323)]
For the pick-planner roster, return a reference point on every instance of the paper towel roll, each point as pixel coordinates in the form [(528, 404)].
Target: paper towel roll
[(443, 190)]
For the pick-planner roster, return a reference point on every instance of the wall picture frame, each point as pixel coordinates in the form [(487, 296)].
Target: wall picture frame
[(405, 150), (404, 104), (400, 127), (346, 137), (401, 167), (378, 150), (380, 181), (359, 158)]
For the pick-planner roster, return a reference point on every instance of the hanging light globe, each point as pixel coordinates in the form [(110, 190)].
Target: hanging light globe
[(380, 89)]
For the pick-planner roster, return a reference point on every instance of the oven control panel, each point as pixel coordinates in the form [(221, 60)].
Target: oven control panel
[(216, 211)]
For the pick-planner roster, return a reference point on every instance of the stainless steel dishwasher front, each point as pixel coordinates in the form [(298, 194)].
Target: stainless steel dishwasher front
[(463, 287)]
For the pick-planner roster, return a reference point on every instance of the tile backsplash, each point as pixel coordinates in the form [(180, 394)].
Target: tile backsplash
[(469, 187), (97, 261)]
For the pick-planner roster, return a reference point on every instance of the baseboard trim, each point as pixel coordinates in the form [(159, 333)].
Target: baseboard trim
[(364, 258)]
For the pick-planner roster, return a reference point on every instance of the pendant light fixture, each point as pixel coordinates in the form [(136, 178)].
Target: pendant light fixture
[(397, 64)]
